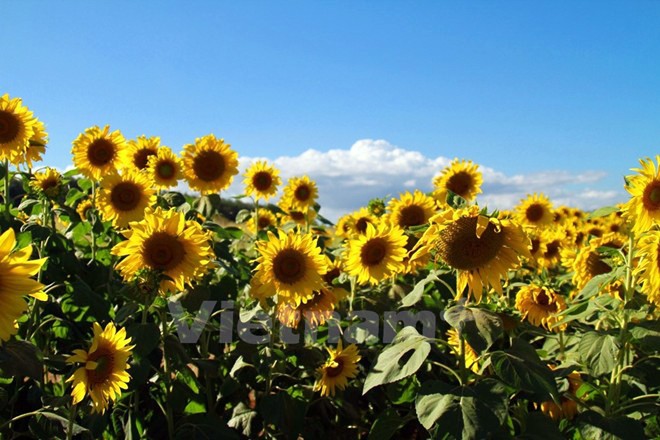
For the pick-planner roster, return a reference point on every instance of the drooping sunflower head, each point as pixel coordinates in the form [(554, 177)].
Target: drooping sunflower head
[(164, 168), (261, 180), (300, 192), (124, 197), (540, 305), (266, 219), (84, 208), (315, 311), (648, 268), (16, 128), (47, 182), (535, 211), (98, 152), (16, 280), (480, 248), (461, 177), (376, 255), (139, 151), (103, 374), (411, 210), (340, 366), (292, 264), (643, 208), (36, 146), (166, 243), (209, 165)]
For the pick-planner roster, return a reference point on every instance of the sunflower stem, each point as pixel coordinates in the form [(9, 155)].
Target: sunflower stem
[(7, 186), (168, 379), (350, 301), (72, 418), (462, 358), (256, 219), (95, 220)]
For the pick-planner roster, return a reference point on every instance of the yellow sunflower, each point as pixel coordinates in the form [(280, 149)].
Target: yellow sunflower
[(165, 242), (47, 182), (139, 151), (84, 208), (568, 408), (300, 193), (643, 208), (377, 254), (296, 215), (589, 262), (540, 306), (315, 311), (534, 211), (553, 242), (341, 366), (291, 264), (261, 180), (480, 248), (648, 268), (164, 168), (16, 128), (98, 152), (36, 147), (411, 210), (16, 270), (361, 219), (209, 165), (261, 292), (461, 177), (266, 220), (124, 197), (103, 375), (345, 226), (471, 356)]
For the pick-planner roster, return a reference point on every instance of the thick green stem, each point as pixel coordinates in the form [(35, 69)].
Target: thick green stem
[(168, 380), (72, 418), (462, 358), (7, 201)]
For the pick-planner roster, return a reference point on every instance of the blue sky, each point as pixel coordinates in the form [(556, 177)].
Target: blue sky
[(519, 87)]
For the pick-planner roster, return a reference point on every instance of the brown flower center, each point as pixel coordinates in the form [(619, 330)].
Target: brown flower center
[(596, 266), (374, 251), (542, 298), (552, 249), (534, 212), (125, 196), (10, 126), (330, 275), (100, 152), (412, 215), (105, 360), (651, 197), (361, 225), (209, 165), (536, 244), (460, 183), (596, 231), (289, 266), (264, 222), (165, 169), (163, 251), (334, 371), (262, 181), (461, 248), (141, 158), (302, 193), (297, 216)]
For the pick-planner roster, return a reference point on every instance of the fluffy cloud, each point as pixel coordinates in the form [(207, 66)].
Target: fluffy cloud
[(349, 178)]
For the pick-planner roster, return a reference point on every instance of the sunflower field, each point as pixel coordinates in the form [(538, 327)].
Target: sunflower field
[(129, 309)]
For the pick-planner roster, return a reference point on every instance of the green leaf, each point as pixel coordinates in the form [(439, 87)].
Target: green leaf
[(243, 215), (416, 294), (391, 365), (242, 419), (521, 369), (284, 412), (461, 411), (594, 426), (602, 212), (540, 427), (75, 429), (21, 359), (481, 328), (386, 425), (599, 352)]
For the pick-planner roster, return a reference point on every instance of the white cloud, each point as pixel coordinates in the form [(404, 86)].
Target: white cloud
[(349, 178)]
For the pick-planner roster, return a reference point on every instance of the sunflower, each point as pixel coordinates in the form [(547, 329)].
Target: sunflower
[(84, 208), (97, 152), (643, 208), (648, 268), (261, 180), (103, 375), (16, 128), (361, 218), (261, 292), (16, 270), (345, 226), (164, 168), (209, 165), (589, 262), (412, 265), (377, 254), (139, 151), (165, 242), (124, 197), (480, 248), (553, 242), (341, 366), (266, 219), (48, 183), (36, 146), (540, 305), (300, 193), (292, 264), (471, 356), (461, 177), (295, 215), (534, 211), (411, 209), (315, 311), (568, 408)]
